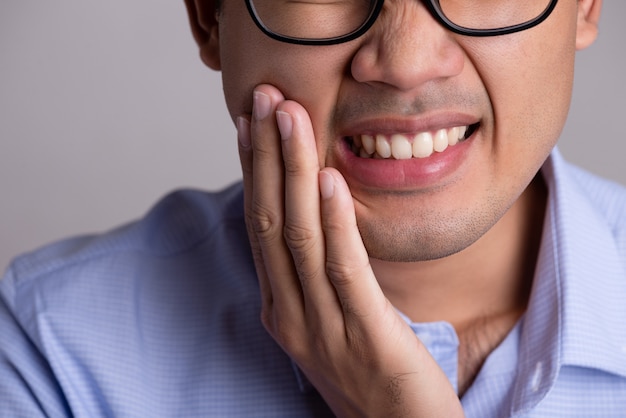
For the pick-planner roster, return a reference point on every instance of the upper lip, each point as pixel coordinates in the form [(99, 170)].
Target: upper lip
[(388, 125)]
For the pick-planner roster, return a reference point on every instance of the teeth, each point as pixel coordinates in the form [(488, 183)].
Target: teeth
[(440, 141), (369, 144), (423, 145), (453, 136), (383, 148), (357, 142), (401, 147), (364, 154), (462, 131)]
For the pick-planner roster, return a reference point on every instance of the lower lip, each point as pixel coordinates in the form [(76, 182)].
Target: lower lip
[(403, 175)]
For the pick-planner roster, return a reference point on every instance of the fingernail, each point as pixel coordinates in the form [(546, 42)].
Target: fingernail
[(262, 104), (243, 131), (327, 185), (285, 124)]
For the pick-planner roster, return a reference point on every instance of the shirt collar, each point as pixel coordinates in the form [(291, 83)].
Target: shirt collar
[(576, 311)]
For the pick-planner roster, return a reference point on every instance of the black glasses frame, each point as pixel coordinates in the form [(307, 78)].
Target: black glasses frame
[(432, 6)]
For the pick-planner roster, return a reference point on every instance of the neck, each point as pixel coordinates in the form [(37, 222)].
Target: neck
[(489, 279)]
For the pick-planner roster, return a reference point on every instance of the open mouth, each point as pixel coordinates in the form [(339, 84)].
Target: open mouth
[(406, 146)]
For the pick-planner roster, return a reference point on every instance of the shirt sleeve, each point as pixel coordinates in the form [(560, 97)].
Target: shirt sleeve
[(28, 387)]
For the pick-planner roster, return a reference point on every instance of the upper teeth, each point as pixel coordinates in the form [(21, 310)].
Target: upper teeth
[(403, 146)]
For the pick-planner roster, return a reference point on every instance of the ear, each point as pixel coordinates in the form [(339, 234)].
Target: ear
[(203, 19), (587, 24)]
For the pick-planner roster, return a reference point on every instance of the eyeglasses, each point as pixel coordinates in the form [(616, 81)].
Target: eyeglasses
[(329, 22)]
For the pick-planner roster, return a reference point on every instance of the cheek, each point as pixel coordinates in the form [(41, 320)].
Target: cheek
[(309, 75), (529, 78), (241, 69)]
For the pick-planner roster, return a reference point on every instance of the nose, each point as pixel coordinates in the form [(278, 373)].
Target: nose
[(406, 48)]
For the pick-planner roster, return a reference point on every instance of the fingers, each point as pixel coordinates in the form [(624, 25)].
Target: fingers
[(306, 266), (245, 157), (304, 234), (262, 167), (303, 229), (282, 204)]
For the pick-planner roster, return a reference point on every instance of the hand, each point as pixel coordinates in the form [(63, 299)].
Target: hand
[(320, 299)]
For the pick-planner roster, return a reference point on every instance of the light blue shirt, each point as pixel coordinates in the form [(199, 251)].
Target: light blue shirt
[(160, 318)]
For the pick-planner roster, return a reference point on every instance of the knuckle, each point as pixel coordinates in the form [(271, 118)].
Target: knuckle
[(298, 237), (338, 225), (264, 150), (296, 170), (292, 167), (301, 242), (306, 273), (341, 271), (263, 221)]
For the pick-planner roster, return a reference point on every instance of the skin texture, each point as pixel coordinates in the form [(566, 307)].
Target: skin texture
[(334, 249)]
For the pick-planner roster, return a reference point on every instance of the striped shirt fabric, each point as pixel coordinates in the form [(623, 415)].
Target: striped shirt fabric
[(160, 318)]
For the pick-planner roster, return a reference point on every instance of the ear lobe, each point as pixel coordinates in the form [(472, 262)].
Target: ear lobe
[(205, 29), (587, 23)]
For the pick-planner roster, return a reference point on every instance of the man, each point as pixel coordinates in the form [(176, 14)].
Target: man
[(418, 248)]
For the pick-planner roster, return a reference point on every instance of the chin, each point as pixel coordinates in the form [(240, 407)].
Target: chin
[(406, 242)]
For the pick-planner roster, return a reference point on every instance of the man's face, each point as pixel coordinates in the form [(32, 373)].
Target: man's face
[(409, 75)]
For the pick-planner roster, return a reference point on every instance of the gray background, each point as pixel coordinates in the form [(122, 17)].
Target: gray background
[(105, 107)]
